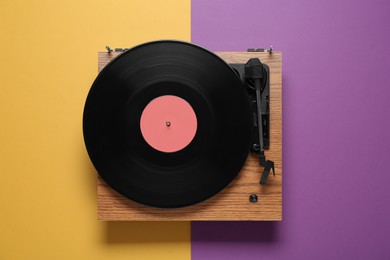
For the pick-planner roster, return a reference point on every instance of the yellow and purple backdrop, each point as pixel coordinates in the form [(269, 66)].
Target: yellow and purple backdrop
[(336, 125)]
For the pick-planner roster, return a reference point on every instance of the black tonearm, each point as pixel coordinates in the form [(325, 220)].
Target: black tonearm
[(257, 75)]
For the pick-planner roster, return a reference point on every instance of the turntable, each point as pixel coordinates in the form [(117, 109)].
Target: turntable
[(177, 132)]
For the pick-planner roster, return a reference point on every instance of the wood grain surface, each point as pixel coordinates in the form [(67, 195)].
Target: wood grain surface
[(232, 203)]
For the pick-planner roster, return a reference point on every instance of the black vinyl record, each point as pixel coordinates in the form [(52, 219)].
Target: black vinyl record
[(118, 149)]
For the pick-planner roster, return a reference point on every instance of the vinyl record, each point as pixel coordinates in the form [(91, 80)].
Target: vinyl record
[(167, 124)]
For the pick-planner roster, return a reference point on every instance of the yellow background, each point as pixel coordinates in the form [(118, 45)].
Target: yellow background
[(48, 61)]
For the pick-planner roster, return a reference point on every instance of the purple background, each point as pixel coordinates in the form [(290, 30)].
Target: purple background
[(336, 125)]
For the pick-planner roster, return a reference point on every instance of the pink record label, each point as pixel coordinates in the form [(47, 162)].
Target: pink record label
[(168, 123)]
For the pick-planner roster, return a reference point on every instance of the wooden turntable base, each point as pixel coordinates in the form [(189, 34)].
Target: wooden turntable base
[(232, 203)]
